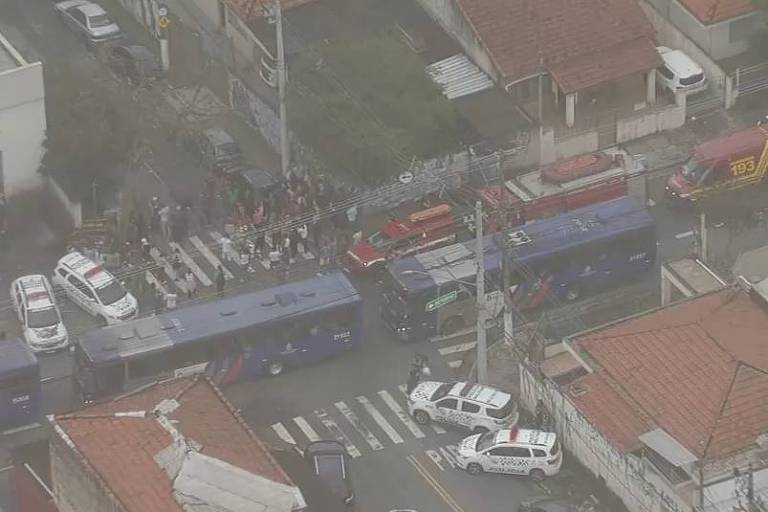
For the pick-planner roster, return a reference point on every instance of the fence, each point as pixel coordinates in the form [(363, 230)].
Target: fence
[(751, 79)]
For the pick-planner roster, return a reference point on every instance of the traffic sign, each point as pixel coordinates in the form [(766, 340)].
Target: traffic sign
[(441, 301), (162, 10), (163, 21)]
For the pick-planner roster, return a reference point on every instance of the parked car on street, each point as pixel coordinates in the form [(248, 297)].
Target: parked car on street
[(679, 72), (513, 452), (475, 407), (218, 151), (89, 20), (330, 462), (136, 63), (34, 302), (553, 504), (94, 289)]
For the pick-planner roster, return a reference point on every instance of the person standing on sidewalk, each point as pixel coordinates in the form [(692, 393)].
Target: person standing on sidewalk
[(165, 220), (191, 282), (220, 280)]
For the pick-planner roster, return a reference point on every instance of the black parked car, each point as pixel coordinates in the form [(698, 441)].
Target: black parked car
[(330, 462)]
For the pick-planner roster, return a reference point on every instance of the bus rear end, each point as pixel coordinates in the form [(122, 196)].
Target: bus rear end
[(19, 384)]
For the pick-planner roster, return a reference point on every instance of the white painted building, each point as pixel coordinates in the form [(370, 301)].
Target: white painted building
[(22, 121)]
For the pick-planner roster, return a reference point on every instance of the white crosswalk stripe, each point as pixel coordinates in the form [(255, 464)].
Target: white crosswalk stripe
[(455, 364), (151, 279), (337, 433), (453, 349), (401, 414), (437, 428), (283, 433), (380, 420), (191, 264), (163, 263), (234, 255), (306, 429), (359, 426), (208, 255)]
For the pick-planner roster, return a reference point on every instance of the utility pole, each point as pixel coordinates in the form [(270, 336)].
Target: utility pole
[(285, 157), (482, 349), (703, 237), (541, 107), (504, 221)]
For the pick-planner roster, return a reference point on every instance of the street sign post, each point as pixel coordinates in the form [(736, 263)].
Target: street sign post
[(442, 300)]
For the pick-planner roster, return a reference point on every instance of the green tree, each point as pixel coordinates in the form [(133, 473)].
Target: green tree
[(368, 107), (88, 138)]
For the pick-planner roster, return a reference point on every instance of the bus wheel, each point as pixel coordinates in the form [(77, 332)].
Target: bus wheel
[(275, 368), (572, 294), (452, 325)]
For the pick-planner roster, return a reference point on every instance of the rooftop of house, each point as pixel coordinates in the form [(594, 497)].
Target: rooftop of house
[(693, 375), (715, 11), (581, 44), (172, 440)]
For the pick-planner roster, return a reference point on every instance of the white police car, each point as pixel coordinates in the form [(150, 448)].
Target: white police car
[(36, 308), (473, 406), (513, 452)]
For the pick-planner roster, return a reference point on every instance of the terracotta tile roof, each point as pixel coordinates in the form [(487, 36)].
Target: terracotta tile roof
[(254, 9), (122, 449), (710, 352), (514, 31), (714, 11)]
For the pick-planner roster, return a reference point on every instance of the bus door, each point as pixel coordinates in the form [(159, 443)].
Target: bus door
[(20, 398)]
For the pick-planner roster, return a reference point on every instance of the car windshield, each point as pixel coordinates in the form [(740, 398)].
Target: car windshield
[(379, 239), (485, 441), (693, 169), (40, 318), (111, 293), (693, 79), (441, 391), (101, 20), (504, 411)]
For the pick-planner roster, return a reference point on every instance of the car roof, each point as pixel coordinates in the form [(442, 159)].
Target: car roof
[(481, 394), (35, 288), (525, 436), (218, 136), (95, 274), (679, 62)]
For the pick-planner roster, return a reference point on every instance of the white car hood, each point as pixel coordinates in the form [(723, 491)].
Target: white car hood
[(122, 307), (424, 391), (46, 334)]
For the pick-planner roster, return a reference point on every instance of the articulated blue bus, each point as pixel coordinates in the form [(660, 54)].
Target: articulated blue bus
[(234, 338), (19, 384), (552, 260)]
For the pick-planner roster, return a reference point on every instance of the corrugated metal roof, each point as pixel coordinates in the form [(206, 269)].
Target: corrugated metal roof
[(458, 76)]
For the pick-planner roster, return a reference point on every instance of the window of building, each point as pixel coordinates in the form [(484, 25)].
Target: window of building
[(741, 29)]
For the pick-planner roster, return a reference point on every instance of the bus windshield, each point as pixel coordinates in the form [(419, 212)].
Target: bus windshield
[(379, 240), (693, 170)]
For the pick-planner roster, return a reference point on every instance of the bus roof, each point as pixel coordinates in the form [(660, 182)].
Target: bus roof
[(536, 239), (15, 356), (216, 318)]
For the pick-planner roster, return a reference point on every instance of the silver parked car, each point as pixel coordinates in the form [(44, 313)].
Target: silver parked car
[(90, 20)]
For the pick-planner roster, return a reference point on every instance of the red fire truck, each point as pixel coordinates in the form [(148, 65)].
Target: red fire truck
[(422, 230), (727, 162), (564, 185)]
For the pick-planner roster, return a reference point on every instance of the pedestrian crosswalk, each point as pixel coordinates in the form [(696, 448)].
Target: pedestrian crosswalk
[(364, 424), (455, 349)]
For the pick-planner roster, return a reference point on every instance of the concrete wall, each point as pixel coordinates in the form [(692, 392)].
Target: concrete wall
[(648, 123), (22, 127), (626, 475), (447, 14), (713, 39), (75, 489)]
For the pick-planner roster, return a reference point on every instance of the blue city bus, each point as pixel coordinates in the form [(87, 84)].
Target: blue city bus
[(553, 260), (235, 338), (20, 392)]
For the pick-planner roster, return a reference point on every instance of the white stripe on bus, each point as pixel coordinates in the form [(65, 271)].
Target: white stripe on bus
[(338, 434), (437, 428), (407, 421), (207, 254), (306, 429), (283, 433), (366, 434), (380, 420)]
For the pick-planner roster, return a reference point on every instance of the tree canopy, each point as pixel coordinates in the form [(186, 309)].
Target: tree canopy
[(87, 137), (368, 107)]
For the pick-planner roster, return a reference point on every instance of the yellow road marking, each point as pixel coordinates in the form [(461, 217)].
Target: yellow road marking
[(432, 481)]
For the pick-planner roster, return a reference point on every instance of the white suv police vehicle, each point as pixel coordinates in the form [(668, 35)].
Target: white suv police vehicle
[(473, 406), (37, 311), (94, 289), (513, 452)]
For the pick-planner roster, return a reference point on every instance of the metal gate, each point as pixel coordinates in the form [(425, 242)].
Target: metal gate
[(752, 79)]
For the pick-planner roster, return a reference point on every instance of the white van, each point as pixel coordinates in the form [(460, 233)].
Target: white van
[(36, 309), (94, 289), (512, 452), (679, 72)]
